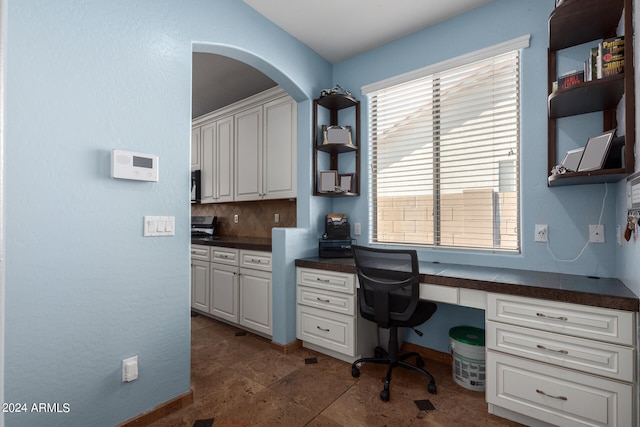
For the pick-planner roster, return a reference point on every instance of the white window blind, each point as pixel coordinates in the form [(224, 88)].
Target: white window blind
[(445, 157)]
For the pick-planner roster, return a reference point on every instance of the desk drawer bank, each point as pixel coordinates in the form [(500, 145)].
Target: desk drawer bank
[(560, 349)]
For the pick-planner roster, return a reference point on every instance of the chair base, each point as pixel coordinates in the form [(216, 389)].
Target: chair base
[(394, 362)]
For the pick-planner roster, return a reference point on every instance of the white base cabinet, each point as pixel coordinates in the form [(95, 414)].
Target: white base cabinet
[(327, 319), (554, 363), (255, 300), (224, 292), (200, 277), (234, 286)]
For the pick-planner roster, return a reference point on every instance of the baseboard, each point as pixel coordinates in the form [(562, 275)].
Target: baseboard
[(428, 353), (160, 411), (287, 348)]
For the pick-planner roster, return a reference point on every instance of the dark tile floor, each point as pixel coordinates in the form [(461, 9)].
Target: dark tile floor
[(243, 381)]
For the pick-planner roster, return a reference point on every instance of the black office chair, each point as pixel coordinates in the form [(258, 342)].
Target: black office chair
[(389, 295)]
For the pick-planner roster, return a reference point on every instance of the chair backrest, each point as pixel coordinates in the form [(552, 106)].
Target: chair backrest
[(389, 283)]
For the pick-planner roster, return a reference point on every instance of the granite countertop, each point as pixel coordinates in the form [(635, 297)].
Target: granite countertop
[(585, 290), (238, 242)]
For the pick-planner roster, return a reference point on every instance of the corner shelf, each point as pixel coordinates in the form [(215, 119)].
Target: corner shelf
[(576, 22), (334, 103)]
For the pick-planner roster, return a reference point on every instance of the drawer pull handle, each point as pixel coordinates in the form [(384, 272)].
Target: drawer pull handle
[(323, 330), (541, 347), (323, 300), (548, 395), (564, 319), (323, 280)]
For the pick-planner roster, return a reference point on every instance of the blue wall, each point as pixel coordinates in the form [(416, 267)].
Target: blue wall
[(567, 210), (84, 289)]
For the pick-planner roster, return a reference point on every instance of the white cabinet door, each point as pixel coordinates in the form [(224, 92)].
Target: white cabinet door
[(224, 160), (248, 154), (195, 148), (224, 292), (200, 285), (207, 162), (255, 300), (279, 149)]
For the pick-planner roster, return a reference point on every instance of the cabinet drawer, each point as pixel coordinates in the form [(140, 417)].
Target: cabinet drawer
[(227, 256), (439, 293), (593, 357), (327, 300), (555, 395), (329, 280), (329, 330), (598, 323), (256, 260), (200, 252)]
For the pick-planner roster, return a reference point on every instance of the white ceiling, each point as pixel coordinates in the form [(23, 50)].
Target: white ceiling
[(335, 29), (340, 29)]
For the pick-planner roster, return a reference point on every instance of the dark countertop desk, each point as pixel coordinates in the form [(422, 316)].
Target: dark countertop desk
[(249, 243), (585, 290)]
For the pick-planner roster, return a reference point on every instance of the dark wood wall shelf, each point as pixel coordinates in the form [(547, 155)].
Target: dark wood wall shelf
[(334, 103), (576, 22)]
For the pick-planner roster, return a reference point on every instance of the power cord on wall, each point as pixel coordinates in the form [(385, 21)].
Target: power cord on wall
[(606, 190)]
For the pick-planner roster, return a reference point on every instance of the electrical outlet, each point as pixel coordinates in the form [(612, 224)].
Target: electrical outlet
[(276, 218), (130, 369), (596, 233), (542, 233), (235, 218)]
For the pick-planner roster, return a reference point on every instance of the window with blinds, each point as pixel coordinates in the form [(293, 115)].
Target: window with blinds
[(445, 157)]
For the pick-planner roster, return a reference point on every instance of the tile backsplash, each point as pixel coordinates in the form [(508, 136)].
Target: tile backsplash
[(255, 219)]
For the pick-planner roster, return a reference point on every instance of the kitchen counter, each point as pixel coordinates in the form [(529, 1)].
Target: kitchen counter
[(585, 290), (250, 243)]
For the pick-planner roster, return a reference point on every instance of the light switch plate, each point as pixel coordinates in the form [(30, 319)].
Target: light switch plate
[(159, 226)]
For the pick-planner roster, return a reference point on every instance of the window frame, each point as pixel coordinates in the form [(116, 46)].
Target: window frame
[(516, 44)]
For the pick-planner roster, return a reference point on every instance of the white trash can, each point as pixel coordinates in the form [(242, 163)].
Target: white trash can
[(467, 348)]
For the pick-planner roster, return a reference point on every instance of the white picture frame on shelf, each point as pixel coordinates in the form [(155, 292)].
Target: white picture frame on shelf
[(328, 180), (346, 182)]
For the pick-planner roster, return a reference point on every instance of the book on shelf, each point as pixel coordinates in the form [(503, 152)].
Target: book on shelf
[(571, 79), (591, 65), (611, 54)]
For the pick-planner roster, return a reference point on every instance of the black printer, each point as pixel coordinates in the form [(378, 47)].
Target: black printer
[(336, 240)]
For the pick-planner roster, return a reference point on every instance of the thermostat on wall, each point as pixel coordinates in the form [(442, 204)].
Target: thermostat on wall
[(137, 166)]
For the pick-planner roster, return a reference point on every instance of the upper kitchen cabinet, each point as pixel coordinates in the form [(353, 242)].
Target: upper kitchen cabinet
[(215, 158), (336, 146), (266, 151), (572, 23), (195, 148), (248, 149)]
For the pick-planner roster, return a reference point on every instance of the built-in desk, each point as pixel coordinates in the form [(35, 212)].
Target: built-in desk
[(585, 290), (561, 349)]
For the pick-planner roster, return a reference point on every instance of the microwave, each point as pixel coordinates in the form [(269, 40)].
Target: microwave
[(195, 186)]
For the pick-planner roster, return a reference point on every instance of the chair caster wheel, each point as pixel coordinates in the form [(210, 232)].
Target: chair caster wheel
[(384, 395), (355, 372), (431, 388), (419, 362)]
